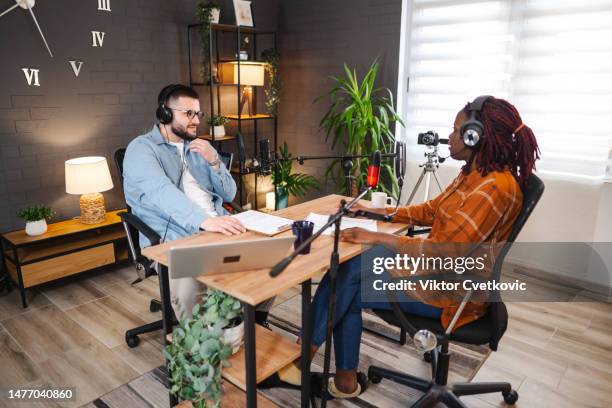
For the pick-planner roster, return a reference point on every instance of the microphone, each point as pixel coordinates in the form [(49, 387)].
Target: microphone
[(374, 170), (265, 167), (241, 152)]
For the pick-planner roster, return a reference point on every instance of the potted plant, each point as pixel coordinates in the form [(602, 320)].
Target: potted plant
[(207, 13), (225, 312), (360, 119), (271, 58), (195, 360), (36, 217), (286, 182), (217, 122)]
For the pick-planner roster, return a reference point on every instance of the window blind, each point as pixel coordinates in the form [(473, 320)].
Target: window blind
[(551, 58)]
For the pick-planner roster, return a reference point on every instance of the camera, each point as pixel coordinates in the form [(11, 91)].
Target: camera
[(430, 138)]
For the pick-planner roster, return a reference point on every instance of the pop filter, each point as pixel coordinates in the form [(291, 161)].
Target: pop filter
[(265, 166), (399, 160), (241, 152)]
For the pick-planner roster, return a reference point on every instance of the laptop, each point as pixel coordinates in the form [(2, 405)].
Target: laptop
[(227, 257)]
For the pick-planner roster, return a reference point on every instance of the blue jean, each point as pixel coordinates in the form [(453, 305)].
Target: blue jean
[(348, 324)]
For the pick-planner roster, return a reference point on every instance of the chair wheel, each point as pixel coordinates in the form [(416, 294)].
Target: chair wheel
[(373, 377), (427, 356), (132, 341), (511, 397), (154, 306)]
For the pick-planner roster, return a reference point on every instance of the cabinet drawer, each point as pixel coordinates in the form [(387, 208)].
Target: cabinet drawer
[(61, 266)]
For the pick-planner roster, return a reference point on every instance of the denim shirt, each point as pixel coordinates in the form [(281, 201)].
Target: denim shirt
[(153, 186)]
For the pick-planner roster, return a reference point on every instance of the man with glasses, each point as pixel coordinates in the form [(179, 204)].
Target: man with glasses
[(176, 184)]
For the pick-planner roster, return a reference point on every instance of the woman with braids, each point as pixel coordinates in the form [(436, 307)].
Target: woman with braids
[(479, 206)]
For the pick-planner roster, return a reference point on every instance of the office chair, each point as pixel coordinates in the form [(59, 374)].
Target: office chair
[(144, 267), (488, 329)]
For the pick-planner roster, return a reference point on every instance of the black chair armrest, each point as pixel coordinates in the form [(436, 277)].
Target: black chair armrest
[(141, 227)]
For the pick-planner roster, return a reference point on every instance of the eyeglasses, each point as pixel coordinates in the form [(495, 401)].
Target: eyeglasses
[(190, 113)]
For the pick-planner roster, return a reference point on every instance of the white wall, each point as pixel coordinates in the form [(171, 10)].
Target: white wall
[(569, 211)]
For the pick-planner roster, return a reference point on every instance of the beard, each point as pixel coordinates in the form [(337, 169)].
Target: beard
[(184, 134)]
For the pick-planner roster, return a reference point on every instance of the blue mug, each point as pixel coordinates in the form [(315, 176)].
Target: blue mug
[(302, 231)]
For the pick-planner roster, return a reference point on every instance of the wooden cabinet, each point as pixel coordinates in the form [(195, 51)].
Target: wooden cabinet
[(67, 248)]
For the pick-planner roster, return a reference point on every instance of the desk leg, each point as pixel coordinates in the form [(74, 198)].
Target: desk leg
[(306, 343), (249, 355), (164, 290)]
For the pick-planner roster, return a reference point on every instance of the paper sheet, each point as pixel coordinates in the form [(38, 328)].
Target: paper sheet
[(263, 223), (320, 220)]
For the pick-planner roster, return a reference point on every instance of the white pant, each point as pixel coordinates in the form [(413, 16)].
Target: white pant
[(185, 293)]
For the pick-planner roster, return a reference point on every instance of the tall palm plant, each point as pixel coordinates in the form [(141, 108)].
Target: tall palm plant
[(359, 120)]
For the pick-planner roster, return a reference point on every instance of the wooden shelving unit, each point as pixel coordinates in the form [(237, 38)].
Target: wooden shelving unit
[(274, 351), (212, 138), (214, 90), (257, 116)]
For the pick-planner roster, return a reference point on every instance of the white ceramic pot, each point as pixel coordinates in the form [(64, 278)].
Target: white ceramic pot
[(214, 15), (234, 337), (34, 228), (219, 131)]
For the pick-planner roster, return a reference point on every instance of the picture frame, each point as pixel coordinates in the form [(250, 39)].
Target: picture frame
[(244, 13)]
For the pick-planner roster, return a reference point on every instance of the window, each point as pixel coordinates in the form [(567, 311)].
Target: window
[(551, 58)]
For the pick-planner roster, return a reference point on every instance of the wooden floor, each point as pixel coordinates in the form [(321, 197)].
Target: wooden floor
[(555, 354)]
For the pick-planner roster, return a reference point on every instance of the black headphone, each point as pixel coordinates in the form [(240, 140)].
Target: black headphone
[(472, 130), (163, 113)]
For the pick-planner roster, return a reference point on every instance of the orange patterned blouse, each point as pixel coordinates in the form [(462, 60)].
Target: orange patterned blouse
[(472, 209)]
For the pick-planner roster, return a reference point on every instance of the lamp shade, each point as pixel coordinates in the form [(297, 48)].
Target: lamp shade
[(251, 73), (87, 175)]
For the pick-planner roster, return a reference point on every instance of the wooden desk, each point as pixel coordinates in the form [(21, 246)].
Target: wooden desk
[(68, 247), (253, 287)]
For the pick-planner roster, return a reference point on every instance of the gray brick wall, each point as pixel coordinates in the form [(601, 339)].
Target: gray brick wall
[(145, 47), (112, 101), (315, 38)]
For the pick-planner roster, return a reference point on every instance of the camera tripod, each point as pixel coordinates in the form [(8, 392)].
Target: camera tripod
[(430, 168)]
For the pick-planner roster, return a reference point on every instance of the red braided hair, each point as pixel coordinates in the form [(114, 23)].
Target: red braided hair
[(501, 147)]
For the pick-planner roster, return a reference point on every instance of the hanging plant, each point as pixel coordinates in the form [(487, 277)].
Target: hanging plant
[(204, 15), (272, 91)]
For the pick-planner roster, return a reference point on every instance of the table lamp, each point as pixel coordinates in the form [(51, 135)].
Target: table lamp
[(89, 176), (251, 74)]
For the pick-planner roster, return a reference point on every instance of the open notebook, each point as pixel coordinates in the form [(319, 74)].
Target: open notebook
[(263, 223), (320, 220)]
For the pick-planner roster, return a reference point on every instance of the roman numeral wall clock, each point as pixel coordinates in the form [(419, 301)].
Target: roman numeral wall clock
[(34, 76)]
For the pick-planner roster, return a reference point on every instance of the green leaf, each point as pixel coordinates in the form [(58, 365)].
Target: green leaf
[(189, 341), (196, 310), (359, 119)]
